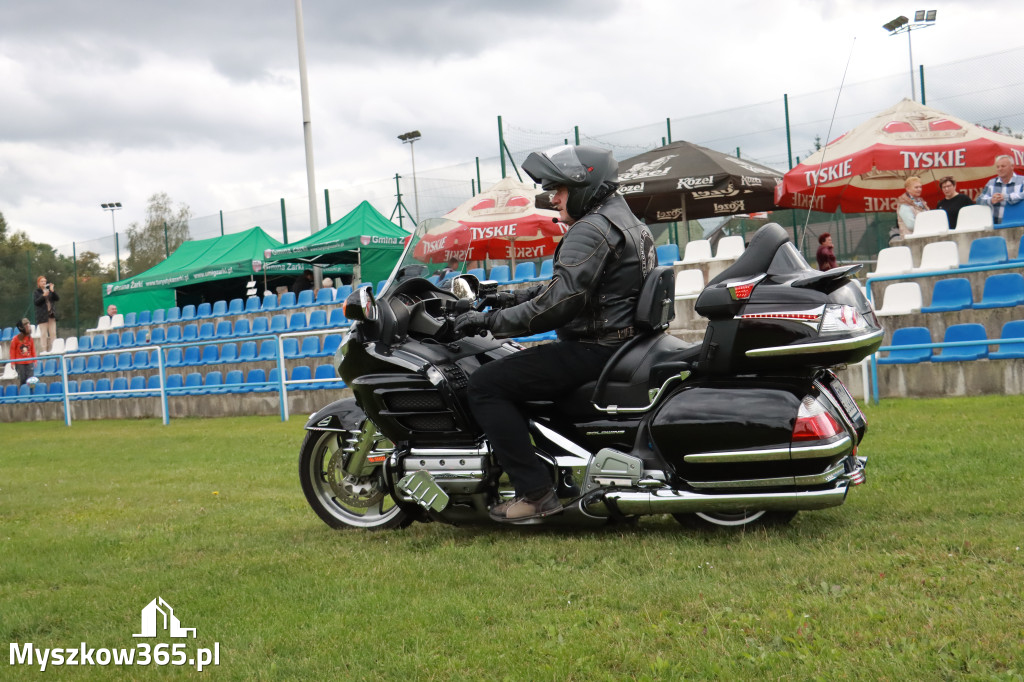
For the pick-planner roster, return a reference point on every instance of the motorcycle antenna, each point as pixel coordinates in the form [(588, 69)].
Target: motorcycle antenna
[(824, 151)]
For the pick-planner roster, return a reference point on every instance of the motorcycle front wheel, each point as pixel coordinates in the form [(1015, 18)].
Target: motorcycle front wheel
[(340, 499), (721, 520)]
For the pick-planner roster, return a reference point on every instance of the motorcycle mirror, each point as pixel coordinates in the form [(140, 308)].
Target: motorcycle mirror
[(361, 305), (462, 288)]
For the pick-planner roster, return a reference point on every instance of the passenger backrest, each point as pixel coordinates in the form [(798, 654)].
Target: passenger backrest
[(654, 306)]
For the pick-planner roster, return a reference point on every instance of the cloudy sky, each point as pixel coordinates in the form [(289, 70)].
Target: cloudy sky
[(114, 100)]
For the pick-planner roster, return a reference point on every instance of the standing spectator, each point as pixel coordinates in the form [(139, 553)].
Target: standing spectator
[(909, 205), (303, 282), (453, 266), (826, 257), (22, 347), (953, 201), (46, 312), (1006, 188)]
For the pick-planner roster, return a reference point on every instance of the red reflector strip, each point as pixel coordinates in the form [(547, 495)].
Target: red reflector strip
[(781, 316), (376, 459), (741, 291)]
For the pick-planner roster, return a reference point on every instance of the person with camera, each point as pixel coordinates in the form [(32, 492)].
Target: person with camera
[(46, 312), (23, 351)]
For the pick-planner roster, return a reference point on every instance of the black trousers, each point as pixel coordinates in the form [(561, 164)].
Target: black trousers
[(543, 372)]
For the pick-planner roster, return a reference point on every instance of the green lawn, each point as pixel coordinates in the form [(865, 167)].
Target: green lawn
[(917, 577)]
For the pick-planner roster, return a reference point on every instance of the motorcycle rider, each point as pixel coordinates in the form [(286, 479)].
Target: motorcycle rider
[(599, 268)]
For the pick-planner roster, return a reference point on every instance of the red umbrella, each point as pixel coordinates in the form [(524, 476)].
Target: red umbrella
[(863, 171), (502, 222)]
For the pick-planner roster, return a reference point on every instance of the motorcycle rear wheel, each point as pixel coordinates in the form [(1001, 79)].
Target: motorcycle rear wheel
[(724, 520), (340, 500)]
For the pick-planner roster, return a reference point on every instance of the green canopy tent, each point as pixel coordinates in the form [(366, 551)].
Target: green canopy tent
[(363, 237), (198, 270)]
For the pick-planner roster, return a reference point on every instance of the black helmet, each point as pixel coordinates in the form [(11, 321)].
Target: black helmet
[(589, 173)]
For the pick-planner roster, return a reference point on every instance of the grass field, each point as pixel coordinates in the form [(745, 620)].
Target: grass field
[(917, 577)]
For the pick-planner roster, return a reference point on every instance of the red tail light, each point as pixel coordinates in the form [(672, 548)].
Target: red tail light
[(813, 422)]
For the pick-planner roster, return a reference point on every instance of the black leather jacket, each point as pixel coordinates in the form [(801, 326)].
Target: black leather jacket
[(39, 298), (599, 267)]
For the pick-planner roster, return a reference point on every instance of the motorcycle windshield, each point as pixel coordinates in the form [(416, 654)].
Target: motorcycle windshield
[(427, 254)]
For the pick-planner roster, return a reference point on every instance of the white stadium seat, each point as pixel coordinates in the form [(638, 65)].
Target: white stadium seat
[(901, 298)]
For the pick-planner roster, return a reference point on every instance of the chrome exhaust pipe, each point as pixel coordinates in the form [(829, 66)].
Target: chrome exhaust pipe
[(671, 501)]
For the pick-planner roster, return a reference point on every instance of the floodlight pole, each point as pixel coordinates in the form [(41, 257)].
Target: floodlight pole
[(922, 19), (307, 131), (410, 138), (114, 206)]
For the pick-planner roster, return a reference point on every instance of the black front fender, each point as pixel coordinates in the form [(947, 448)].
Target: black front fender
[(341, 415)]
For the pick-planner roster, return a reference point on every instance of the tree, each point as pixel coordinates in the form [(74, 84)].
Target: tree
[(21, 261), (165, 229)]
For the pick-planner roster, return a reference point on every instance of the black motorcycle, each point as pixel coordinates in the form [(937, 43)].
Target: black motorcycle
[(750, 426)]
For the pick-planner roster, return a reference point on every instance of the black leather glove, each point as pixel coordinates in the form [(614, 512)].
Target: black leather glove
[(501, 299), (473, 322)]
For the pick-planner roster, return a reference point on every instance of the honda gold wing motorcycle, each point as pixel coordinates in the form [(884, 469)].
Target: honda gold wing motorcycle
[(750, 426)]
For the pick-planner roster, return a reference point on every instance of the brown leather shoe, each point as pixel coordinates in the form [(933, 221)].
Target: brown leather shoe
[(524, 509)]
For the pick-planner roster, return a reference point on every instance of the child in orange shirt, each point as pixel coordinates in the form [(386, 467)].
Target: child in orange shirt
[(22, 346)]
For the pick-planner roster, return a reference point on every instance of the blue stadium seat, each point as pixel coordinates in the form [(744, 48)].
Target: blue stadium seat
[(547, 268), (72, 388), (190, 332), (159, 316), (214, 383), (131, 320), (1002, 291), (247, 352), (268, 349), (234, 382), (210, 354), (305, 299), (908, 336), (525, 272), (325, 296), (342, 292), (236, 306), (188, 313), (47, 368), (84, 344), (338, 319), (206, 331), (278, 324), (172, 314), (93, 364), (297, 322), (260, 325), (153, 383), (331, 343), (290, 346), (7, 335), (1013, 215), (141, 359), (300, 373), (1020, 250), (174, 333), (478, 273), (229, 353), (10, 392), (274, 379), (220, 308), (174, 384), (1006, 351), (128, 338), (317, 319), (287, 300), (137, 387), (667, 254), (269, 303), (144, 318), (124, 362), (204, 311), (193, 384), (56, 391), (499, 273), (950, 294), (241, 328), (191, 356), (38, 392), (328, 377), (108, 363), (987, 251), (224, 330), (120, 384), (103, 385), (255, 380), (175, 358), (252, 304), (158, 336), (971, 331), (310, 347), (113, 341), (87, 386), (77, 365)]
